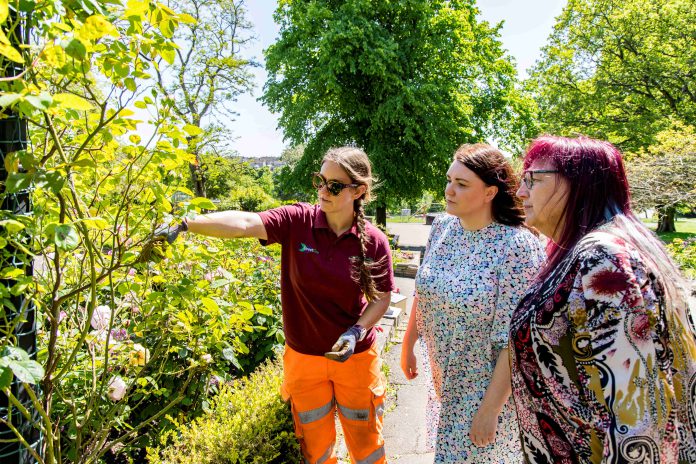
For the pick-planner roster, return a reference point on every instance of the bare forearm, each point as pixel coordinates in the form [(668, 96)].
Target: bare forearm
[(411, 335), (500, 388), (375, 310), (228, 224)]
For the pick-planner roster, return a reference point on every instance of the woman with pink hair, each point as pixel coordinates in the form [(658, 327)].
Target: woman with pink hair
[(603, 346)]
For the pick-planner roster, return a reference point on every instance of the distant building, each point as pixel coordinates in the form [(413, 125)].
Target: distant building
[(270, 161)]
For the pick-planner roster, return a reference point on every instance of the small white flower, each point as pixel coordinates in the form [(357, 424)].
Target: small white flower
[(207, 358), (117, 389)]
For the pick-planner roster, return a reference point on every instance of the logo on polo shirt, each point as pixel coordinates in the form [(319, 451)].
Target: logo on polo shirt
[(305, 249)]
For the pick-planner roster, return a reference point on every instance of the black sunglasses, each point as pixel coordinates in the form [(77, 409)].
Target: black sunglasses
[(334, 187), (528, 176)]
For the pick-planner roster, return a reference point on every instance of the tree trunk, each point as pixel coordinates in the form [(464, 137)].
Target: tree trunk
[(197, 178), (665, 218), (381, 215)]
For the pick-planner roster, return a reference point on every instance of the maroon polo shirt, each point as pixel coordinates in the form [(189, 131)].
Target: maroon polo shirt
[(320, 299)]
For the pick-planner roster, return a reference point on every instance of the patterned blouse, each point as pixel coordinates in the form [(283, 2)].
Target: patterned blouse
[(468, 286), (602, 370)]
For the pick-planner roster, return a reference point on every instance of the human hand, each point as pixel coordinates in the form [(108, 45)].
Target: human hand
[(483, 427), (169, 232), (409, 363), (345, 345)]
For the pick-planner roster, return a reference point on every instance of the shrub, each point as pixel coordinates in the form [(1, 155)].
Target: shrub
[(684, 253), (248, 422)]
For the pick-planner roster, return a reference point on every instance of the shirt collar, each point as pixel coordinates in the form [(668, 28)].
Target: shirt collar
[(320, 222)]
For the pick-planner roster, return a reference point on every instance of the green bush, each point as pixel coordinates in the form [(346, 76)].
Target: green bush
[(247, 422), (684, 253)]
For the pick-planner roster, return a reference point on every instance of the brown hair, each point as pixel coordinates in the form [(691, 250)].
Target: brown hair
[(356, 164), (489, 164)]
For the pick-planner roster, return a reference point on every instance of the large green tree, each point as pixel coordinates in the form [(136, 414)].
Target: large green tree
[(407, 81), (620, 70)]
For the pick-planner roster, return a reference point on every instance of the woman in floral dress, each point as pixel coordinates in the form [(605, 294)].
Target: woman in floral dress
[(603, 344), (478, 262)]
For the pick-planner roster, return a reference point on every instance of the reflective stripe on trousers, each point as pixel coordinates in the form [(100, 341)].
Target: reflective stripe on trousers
[(307, 417), (374, 457), (324, 457)]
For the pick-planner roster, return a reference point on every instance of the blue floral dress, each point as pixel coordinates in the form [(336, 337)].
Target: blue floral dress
[(468, 286)]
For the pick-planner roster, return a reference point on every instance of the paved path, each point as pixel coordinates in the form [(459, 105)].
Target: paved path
[(404, 422)]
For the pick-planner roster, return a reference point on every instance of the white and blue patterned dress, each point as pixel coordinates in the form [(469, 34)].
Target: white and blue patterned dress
[(468, 286)]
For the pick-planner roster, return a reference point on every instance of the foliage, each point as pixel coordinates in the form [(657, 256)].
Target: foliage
[(406, 81), (221, 174), (290, 185), (124, 341), (684, 253), (247, 423), (206, 73), (619, 70), (662, 176)]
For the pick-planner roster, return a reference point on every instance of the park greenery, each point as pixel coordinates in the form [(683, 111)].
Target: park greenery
[(144, 348), (407, 81)]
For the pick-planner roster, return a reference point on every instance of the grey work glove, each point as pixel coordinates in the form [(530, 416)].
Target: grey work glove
[(169, 232), (345, 345)]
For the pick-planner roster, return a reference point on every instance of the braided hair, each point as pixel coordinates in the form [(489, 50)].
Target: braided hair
[(356, 164)]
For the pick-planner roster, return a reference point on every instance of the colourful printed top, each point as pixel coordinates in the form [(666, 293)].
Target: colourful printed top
[(603, 371), (320, 298), (468, 286)]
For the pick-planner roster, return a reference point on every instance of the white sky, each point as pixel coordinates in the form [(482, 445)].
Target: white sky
[(527, 26)]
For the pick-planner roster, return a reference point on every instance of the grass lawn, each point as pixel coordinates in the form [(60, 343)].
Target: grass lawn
[(402, 219), (686, 228)]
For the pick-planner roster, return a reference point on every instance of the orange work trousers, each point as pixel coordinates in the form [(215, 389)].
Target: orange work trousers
[(318, 387)]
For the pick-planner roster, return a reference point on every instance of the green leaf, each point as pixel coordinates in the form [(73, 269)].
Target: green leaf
[(65, 237), (211, 306), (96, 27), (41, 101), (7, 99), (168, 55), (71, 101), (11, 273), (22, 366), (96, 223), (52, 180), (75, 48), (228, 354), (28, 371), (11, 225), (192, 130), (17, 181), (202, 203), (10, 53), (5, 377), (4, 10)]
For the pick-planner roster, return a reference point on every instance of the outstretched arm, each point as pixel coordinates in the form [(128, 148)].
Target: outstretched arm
[(228, 224)]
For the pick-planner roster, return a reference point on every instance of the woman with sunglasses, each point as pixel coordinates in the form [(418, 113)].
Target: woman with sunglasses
[(478, 262), (603, 343), (336, 282)]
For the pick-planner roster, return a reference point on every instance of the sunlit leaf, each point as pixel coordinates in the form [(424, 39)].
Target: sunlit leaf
[(10, 52), (65, 237), (11, 225), (72, 101)]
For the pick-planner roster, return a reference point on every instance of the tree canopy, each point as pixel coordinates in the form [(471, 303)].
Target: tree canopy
[(407, 81), (620, 70)]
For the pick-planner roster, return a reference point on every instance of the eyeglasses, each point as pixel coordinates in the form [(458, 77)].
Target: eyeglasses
[(528, 176), (334, 187)]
